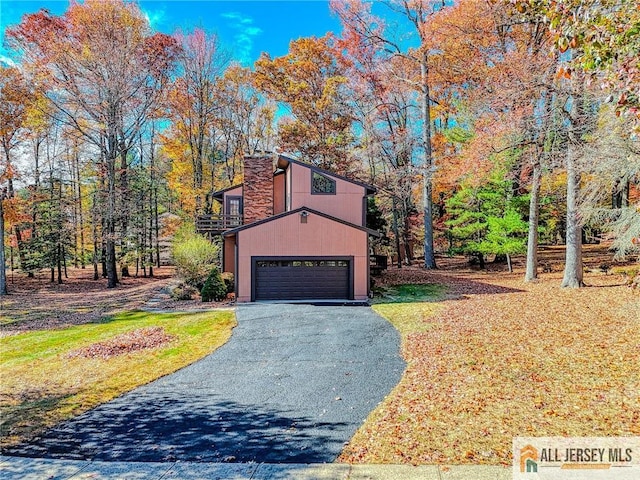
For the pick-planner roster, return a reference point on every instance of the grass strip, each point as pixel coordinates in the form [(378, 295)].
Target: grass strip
[(40, 385)]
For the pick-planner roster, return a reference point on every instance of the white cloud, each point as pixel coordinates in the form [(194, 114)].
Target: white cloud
[(155, 17), (252, 31), (244, 36), (7, 61)]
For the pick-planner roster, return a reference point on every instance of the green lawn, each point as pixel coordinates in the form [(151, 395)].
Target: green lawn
[(41, 384), (410, 293), (409, 307)]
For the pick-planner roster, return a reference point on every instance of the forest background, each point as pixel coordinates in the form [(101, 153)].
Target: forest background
[(488, 127)]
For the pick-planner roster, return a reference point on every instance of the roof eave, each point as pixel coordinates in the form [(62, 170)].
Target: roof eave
[(283, 162), (298, 210)]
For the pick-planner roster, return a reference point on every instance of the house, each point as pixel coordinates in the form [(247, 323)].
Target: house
[(293, 231)]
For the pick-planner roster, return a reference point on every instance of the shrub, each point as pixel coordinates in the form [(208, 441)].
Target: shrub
[(214, 287), (227, 278), (183, 292), (193, 256)]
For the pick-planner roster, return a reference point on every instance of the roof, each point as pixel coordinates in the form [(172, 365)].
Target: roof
[(298, 210), (219, 193), (283, 163)]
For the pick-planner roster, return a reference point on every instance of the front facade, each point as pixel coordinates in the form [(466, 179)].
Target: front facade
[(300, 233)]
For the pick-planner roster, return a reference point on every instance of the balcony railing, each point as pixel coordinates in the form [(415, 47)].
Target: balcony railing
[(378, 264), (216, 224)]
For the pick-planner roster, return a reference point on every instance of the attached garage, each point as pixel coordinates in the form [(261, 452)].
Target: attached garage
[(308, 278), (302, 254)]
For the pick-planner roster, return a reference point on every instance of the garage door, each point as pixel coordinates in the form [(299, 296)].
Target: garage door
[(302, 279)]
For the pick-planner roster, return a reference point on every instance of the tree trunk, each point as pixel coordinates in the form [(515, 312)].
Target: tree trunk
[(406, 233), (64, 262), (150, 250), (143, 235), (103, 258), (59, 263), (531, 272), (152, 190), (429, 253), (156, 221), (573, 270), (124, 211), (74, 212), (573, 255), (112, 273), (81, 214), (3, 273), (96, 275), (110, 224), (396, 232)]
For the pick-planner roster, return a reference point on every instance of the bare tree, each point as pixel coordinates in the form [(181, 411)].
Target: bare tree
[(358, 18), (193, 98), (3, 273)]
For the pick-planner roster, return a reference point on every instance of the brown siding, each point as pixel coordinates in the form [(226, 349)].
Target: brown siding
[(279, 202), (229, 255), (287, 236), (258, 188), (346, 204)]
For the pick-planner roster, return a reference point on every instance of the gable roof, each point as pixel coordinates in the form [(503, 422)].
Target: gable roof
[(298, 210), (220, 193), (283, 162)]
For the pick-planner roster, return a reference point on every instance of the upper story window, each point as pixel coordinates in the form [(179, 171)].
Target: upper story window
[(321, 184)]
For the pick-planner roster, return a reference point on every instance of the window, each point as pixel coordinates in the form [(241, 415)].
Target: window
[(321, 184), (302, 263)]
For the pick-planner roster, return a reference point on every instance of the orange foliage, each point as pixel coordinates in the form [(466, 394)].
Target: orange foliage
[(310, 79)]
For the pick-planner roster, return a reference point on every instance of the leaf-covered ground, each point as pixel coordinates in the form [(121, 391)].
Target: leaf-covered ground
[(38, 304), (498, 358), (133, 341)]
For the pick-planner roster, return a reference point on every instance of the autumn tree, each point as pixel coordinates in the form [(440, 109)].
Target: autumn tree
[(245, 121), (495, 62), (600, 40), (604, 37), (3, 273), (15, 95), (105, 74), (309, 80), (389, 133), (612, 170), (194, 99), (356, 15), (240, 123)]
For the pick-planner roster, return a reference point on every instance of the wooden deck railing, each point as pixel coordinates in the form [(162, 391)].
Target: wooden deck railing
[(378, 264), (216, 224)]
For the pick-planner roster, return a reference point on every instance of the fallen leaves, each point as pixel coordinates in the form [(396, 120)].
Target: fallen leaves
[(135, 340), (500, 358), (37, 304)]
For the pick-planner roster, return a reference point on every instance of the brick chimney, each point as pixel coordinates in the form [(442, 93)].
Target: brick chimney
[(258, 188)]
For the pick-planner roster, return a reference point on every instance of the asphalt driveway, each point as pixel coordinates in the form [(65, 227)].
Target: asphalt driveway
[(291, 386)]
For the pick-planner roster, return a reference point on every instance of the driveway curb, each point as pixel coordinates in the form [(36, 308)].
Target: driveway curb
[(22, 468)]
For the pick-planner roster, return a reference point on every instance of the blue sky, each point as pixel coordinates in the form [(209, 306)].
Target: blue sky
[(245, 28)]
